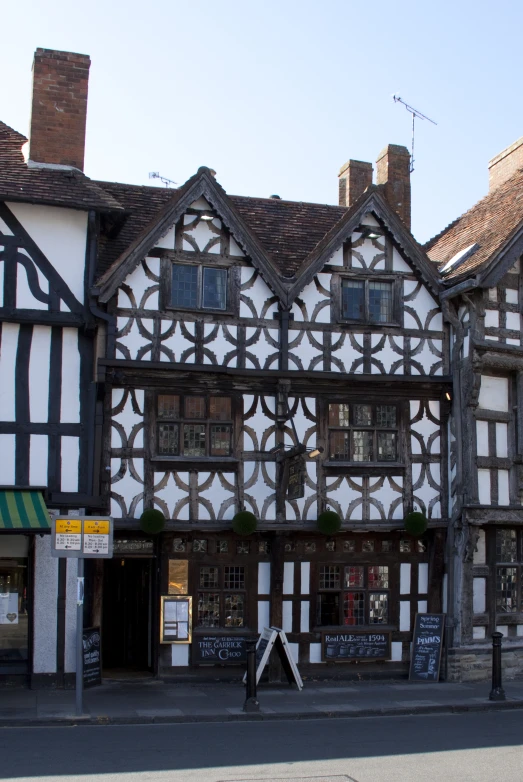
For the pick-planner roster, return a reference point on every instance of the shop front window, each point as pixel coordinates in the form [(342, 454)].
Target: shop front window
[(14, 620), (356, 595), (509, 567), (221, 596)]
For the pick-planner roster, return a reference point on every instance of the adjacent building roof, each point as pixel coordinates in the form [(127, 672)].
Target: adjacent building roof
[(492, 223), (55, 187)]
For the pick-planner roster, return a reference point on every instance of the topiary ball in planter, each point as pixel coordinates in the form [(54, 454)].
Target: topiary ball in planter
[(152, 521), (329, 522), (415, 523), (244, 523)]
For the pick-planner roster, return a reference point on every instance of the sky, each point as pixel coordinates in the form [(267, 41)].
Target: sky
[(276, 95)]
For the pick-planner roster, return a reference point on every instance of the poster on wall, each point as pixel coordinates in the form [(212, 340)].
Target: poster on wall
[(92, 651), (9, 608), (175, 619)]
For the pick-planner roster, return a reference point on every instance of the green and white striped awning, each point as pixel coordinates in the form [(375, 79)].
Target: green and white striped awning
[(23, 510)]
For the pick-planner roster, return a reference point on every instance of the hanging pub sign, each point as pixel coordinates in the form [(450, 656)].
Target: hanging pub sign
[(296, 477), (270, 638), (359, 645), (427, 644), (175, 619), (92, 656), (89, 537), (220, 649)]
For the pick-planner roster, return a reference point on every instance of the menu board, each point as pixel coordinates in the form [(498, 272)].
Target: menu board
[(220, 649), (92, 651), (427, 644), (359, 645), (175, 619)]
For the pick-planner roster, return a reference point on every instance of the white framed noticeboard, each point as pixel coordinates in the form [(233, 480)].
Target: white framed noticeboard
[(175, 619)]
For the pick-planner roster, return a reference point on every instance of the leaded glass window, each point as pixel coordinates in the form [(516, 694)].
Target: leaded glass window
[(221, 596), (187, 425), (353, 595), (363, 432), (367, 301), (198, 287), (509, 570)]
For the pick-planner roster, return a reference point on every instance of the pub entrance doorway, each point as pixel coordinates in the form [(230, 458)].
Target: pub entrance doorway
[(127, 626)]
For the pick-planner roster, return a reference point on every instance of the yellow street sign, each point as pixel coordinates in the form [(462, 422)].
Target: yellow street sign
[(69, 526), (96, 527)]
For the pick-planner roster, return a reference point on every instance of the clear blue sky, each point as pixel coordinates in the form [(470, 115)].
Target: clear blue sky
[(277, 95)]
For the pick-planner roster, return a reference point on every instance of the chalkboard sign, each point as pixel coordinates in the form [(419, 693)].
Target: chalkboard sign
[(359, 645), (274, 638), (427, 643), (92, 650), (219, 649)]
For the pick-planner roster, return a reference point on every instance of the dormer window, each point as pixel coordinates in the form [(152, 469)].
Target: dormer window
[(367, 301), (198, 287)]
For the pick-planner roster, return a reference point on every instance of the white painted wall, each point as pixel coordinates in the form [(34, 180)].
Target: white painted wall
[(493, 394), (45, 607)]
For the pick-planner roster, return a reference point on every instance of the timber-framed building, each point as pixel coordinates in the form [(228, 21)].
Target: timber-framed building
[(175, 348)]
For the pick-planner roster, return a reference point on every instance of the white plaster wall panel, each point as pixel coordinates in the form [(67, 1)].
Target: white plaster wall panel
[(425, 427), (201, 232), (129, 419), (131, 344), (61, 235), (513, 321), (171, 494), (482, 438), (305, 578), (396, 651), (502, 629), (493, 294), (491, 319), (259, 485), (304, 616), (288, 578), (180, 655), (179, 343), (480, 550), (168, 240), (388, 492), (312, 297), (423, 303), (344, 494), (124, 299), (70, 407), (219, 347), (422, 606), (38, 453), (44, 606), (493, 394), (259, 423), (305, 428), (4, 229), (263, 615), (466, 345), (70, 615), (234, 250), (426, 493), (369, 219), (501, 440), (519, 630), (70, 456), (2, 265), (349, 352), (484, 487), (336, 258), (423, 578), (404, 616), (511, 296), (263, 347), (479, 603), (315, 653), (8, 348), (503, 487), (254, 298), (287, 616), (39, 374), (294, 650), (478, 633), (513, 341), (264, 578), (398, 264), (492, 339), (309, 351), (389, 354), (444, 594), (24, 297), (7, 448), (405, 578), (142, 287), (366, 254), (428, 359), (127, 483), (219, 492)]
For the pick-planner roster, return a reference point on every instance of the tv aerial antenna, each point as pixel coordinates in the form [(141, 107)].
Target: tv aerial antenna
[(157, 175), (415, 115)]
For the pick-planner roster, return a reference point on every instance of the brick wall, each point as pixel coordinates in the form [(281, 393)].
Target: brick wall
[(59, 108), (504, 165), (354, 178), (393, 171)]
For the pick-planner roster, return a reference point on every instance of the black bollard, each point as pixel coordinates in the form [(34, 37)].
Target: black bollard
[(251, 702), (497, 692)]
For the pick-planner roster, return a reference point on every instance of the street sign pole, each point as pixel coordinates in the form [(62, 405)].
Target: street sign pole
[(79, 638)]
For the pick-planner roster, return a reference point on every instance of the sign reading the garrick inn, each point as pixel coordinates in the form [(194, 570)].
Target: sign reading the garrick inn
[(220, 649)]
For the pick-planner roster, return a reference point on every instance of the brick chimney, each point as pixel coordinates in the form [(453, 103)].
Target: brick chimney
[(393, 171), (504, 165), (59, 108), (354, 178)]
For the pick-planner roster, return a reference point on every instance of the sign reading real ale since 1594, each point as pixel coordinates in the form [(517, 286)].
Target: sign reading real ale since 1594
[(347, 647)]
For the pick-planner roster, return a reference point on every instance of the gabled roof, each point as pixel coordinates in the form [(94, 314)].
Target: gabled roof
[(493, 223), (54, 187)]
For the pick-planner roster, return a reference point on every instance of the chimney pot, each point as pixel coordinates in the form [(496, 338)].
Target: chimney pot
[(59, 107), (505, 165), (393, 171), (354, 178)]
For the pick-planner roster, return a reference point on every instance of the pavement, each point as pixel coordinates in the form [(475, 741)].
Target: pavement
[(148, 701)]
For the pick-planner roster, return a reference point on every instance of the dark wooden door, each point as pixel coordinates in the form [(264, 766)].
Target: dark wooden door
[(127, 626)]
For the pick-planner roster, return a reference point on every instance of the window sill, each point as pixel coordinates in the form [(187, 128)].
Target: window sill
[(365, 468), (207, 461), (229, 313)]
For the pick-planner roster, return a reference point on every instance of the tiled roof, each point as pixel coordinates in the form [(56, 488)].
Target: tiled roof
[(490, 223), (54, 187), (287, 230)]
